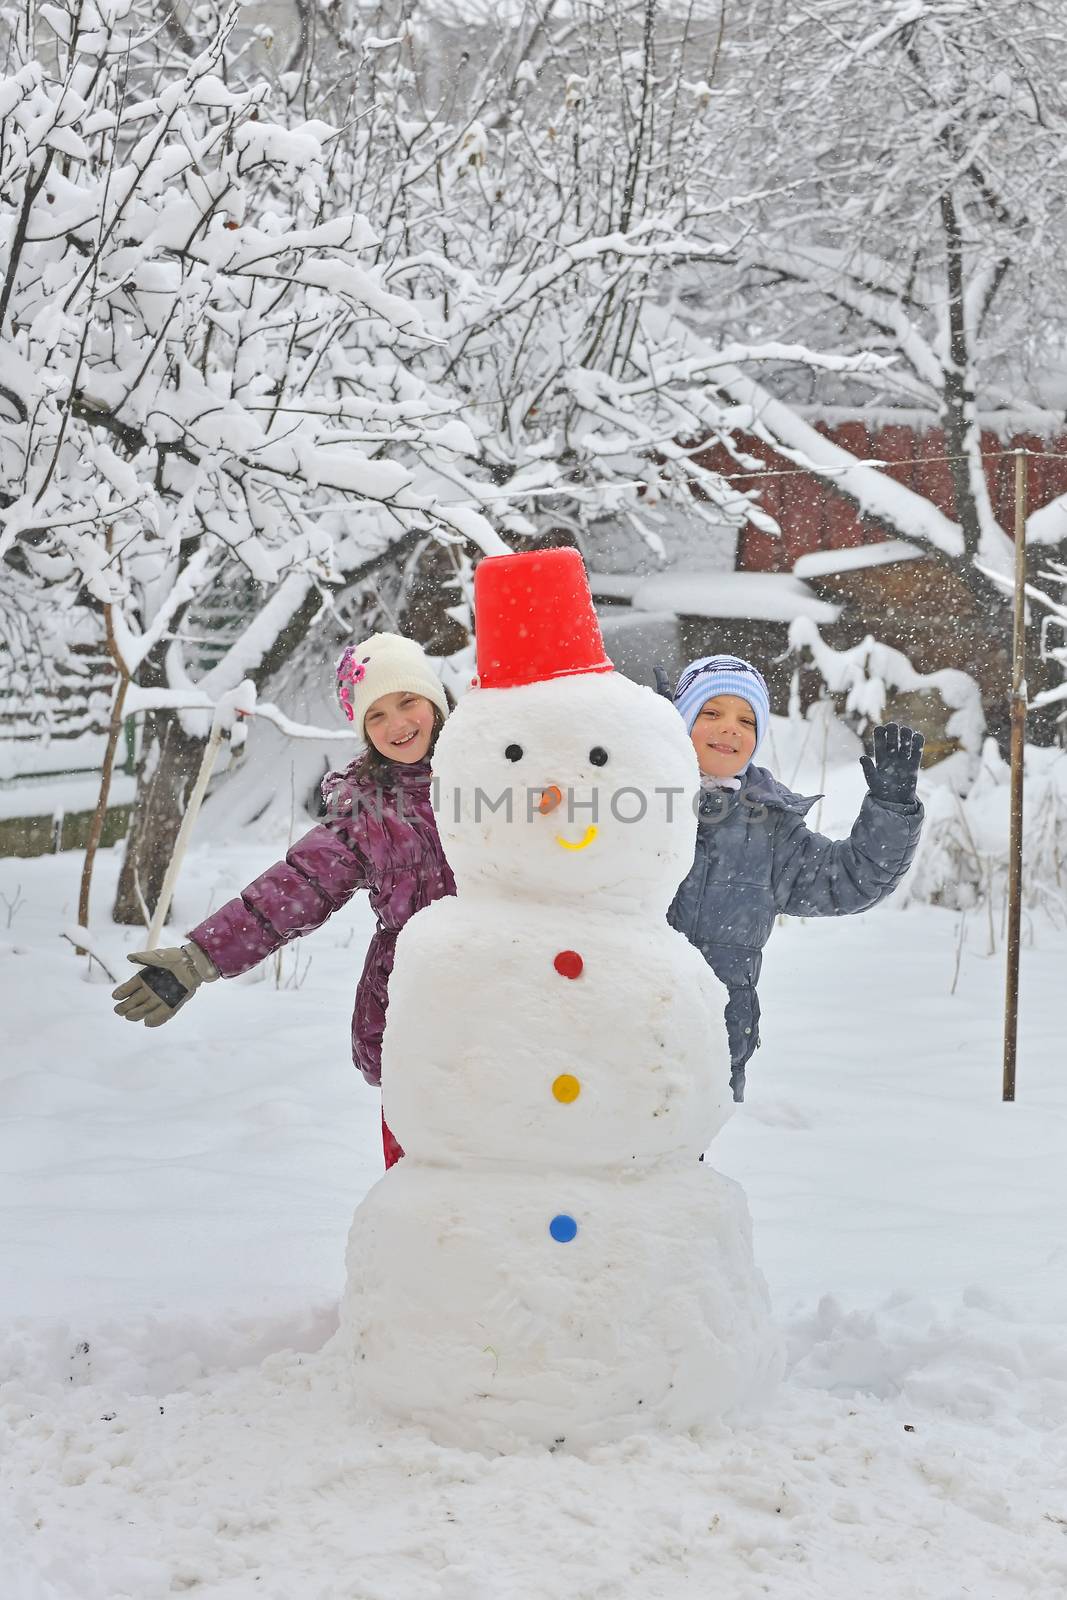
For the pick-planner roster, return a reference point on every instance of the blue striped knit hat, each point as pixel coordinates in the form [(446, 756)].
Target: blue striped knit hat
[(713, 675)]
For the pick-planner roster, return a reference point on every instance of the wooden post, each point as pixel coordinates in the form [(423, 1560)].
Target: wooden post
[(1018, 745), (192, 811), (96, 827)]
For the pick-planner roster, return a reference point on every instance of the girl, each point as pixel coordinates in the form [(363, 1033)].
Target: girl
[(756, 856), (379, 834)]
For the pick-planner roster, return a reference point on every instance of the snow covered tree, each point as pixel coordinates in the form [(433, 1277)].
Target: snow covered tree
[(207, 368), (909, 153), (545, 189), (248, 348)]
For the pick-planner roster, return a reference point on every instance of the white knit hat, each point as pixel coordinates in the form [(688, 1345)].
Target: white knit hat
[(385, 664)]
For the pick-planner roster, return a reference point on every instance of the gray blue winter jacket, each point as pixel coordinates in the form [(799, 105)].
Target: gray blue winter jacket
[(756, 857)]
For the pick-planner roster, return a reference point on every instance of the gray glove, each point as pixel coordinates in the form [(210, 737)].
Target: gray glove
[(663, 684), (166, 980)]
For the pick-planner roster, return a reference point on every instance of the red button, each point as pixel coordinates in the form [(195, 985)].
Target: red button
[(569, 964)]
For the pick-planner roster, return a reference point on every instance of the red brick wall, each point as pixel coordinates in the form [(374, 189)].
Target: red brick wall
[(812, 516)]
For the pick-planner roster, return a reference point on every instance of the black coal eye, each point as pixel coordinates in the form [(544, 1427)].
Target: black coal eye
[(513, 752), (598, 755)]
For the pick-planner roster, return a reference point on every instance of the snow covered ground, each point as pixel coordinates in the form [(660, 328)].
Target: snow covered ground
[(173, 1211)]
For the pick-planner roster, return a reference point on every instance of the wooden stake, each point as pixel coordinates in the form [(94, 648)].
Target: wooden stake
[(192, 811), (1018, 745), (96, 827)]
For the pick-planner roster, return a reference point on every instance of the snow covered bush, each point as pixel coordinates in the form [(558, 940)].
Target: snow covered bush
[(1053, 634), (865, 676), (962, 859)]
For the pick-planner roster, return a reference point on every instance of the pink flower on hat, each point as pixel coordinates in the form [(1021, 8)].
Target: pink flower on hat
[(349, 673), (349, 670)]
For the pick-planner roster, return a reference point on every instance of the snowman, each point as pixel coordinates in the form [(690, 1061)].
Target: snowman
[(551, 1262)]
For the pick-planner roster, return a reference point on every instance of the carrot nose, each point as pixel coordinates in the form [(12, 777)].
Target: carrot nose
[(550, 799)]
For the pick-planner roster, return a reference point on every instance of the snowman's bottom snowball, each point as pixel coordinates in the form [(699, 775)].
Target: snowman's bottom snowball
[(464, 1314)]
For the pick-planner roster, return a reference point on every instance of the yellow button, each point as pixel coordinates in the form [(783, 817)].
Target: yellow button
[(566, 1088)]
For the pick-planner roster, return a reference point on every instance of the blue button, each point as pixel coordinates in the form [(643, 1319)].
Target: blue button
[(563, 1228)]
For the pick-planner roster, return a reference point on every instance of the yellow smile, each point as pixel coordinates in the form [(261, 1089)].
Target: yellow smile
[(587, 838)]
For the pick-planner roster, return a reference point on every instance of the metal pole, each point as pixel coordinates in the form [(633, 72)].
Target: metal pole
[(1018, 745)]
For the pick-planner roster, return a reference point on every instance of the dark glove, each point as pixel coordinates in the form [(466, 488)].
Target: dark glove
[(891, 765), (663, 684), (165, 982)]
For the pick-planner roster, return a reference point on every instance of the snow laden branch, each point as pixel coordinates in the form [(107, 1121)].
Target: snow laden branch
[(1053, 634), (675, 382), (863, 482), (541, 231), (202, 367), (233, 710)]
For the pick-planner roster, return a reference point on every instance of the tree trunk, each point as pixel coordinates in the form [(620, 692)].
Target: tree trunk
[(168, 770), (96, 827), (431, 585), (957, 413)]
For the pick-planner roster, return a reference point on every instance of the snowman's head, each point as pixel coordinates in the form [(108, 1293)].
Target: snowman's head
[(574, 789)]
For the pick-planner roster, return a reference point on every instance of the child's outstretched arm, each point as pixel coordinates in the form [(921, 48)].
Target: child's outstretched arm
[(818, 877), (318, 875)]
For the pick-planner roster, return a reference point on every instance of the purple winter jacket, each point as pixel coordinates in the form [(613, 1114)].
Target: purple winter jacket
[(382, 838)]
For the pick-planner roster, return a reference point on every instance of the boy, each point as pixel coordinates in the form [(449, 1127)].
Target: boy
[(756, 856)]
